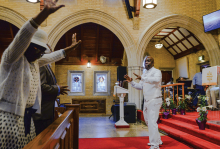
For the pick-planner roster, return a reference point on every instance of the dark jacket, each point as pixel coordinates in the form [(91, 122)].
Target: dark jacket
[(49, 91)]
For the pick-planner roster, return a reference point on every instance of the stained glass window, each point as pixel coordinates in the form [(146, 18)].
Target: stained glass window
[(101, 84), (76, 83)]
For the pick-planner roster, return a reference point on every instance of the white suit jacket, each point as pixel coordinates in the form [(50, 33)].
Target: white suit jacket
[(15, 72), (150, 83)]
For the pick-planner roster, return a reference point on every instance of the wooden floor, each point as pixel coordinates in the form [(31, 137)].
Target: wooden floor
[(103, 127)]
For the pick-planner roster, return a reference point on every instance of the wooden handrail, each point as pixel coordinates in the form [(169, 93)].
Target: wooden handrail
[(175, 84), (63, 133)]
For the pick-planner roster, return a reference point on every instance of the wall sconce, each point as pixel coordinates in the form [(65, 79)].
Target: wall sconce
[(33, 1), (158, 45), (149, 4), (88, 64)]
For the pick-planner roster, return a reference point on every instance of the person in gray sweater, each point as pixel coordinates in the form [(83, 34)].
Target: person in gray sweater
[(20, 90)]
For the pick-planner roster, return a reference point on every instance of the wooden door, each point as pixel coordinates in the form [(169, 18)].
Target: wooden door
[(166, 75)]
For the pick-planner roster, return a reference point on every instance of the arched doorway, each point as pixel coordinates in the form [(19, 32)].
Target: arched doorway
[(185, 22), (97, 17)]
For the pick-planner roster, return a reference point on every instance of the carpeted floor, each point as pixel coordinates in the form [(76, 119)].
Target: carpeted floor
[(185, 129), (128, 143)]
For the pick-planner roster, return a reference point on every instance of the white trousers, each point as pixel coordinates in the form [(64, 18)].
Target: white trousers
[(151, 114)]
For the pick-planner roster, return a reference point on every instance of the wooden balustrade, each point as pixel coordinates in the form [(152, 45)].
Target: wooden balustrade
[(176, 84), (63, 133)]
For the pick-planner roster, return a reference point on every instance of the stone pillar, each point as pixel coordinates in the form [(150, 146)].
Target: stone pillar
[(134, 95)]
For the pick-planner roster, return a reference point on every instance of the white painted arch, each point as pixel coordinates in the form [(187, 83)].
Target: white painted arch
[(98, 17), (12, 16), (186, 22)]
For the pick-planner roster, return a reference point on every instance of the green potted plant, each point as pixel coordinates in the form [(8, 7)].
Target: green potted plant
[(182, 106), (173, 107), (165, 113), (201, 120)]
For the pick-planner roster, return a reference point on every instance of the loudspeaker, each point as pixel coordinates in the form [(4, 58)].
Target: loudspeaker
[(129, 9), (129, 112), (121, 71)]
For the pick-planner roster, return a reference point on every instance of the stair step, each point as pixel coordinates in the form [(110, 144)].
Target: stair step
[(207, 134), (193, 122), (191, 140)]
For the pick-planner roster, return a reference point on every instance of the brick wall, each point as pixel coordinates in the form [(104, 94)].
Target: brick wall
[(61, 75), (162, 58)]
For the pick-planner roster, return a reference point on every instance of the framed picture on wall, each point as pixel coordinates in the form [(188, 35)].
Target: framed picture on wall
[(76, 83), (102, 83)]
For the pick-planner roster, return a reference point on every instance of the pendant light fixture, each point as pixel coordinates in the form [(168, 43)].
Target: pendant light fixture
[(149, 4)]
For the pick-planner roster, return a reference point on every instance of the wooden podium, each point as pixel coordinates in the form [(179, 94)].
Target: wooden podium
[(121, 92)]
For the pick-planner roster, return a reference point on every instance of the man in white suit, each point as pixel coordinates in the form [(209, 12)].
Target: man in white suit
[(150, 82)]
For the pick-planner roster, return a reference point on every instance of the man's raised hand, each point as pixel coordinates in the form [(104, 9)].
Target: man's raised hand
[(63, 90), (128, 79), (138, 77)]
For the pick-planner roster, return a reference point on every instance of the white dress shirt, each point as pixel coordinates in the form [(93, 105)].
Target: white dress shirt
[(150, 83)]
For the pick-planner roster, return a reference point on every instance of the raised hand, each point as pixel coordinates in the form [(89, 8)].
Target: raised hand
[(63, 90), (50, 6), (74, 44), (128, 79), (138, 77)]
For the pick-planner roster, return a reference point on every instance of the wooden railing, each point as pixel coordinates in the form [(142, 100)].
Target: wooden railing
[(63, 133), (176, 84)]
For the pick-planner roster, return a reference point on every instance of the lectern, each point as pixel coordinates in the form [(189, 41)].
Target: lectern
[(211, 76), (121, 92)]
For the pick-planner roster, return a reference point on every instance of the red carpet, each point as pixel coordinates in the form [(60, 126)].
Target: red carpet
[(128, 143), (185, 129)]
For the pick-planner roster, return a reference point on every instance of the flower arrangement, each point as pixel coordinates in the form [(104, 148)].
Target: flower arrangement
[(172, 104), (165, 113), (202, 108), (182, 104), (173, 107)]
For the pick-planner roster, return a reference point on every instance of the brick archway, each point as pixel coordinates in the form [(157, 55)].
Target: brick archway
[(188, 23), (12, 16), (97, 17)]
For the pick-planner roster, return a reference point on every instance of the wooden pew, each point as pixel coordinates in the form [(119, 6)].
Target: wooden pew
[(63, 133)]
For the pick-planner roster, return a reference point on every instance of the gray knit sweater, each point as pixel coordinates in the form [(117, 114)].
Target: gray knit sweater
[(15, 72)]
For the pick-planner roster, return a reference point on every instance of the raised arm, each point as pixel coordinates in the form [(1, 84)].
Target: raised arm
[(23, 38), (138, 86)]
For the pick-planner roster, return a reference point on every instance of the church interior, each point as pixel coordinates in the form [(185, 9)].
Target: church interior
[(116, 36)]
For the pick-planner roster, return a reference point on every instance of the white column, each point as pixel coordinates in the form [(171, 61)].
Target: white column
[(135, 96)]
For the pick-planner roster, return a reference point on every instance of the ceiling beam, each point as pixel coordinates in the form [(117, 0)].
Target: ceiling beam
[(41, 4), (11, 31), (169, 34), (170, 47), (81, 51), (180, 41), (6, 39), (137, 4), (111, 47), (97, 44), (187, 52), (174, 45), (186, 37)]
